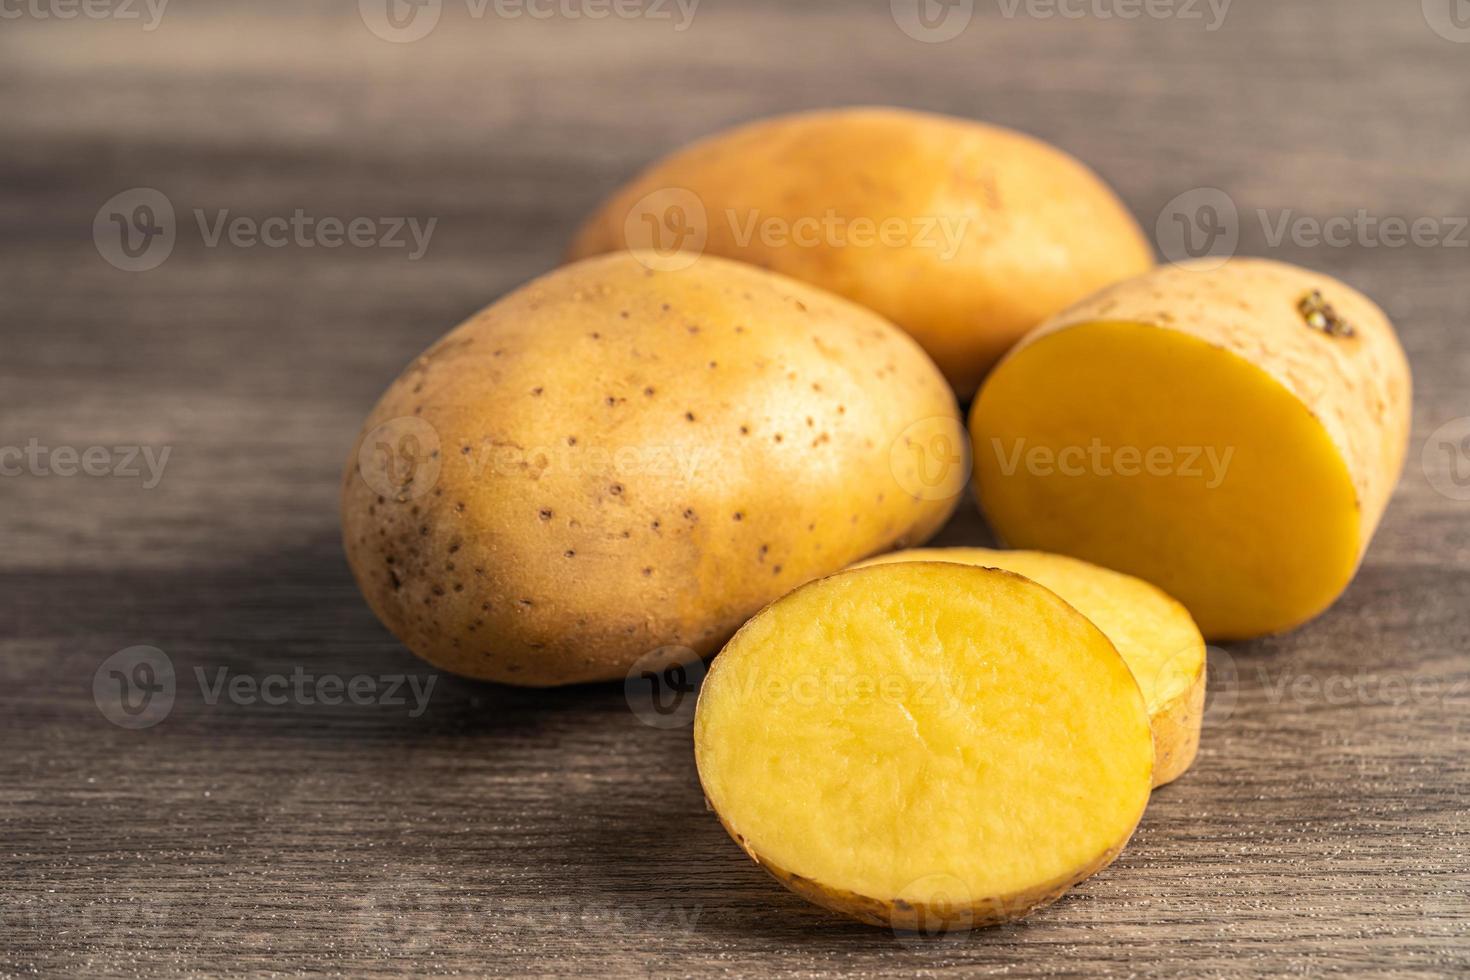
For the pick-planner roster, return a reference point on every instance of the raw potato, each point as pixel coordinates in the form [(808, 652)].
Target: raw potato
[(964, 234), (1213, 431), (1154, 633), (924, 745), (614, 459)]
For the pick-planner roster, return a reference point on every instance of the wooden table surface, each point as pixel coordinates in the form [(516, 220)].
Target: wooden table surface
[(500, 831)]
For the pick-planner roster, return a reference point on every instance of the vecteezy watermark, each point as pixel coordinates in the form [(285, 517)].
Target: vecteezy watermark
[(1363, 687), (400, 459), (418, 909), (134, 688), (1450, 19), (137, 688), (940, 695), (150, 12), (669, 228), (1445, 459), (405, 21), (1210, 464), (136, 230), (123, 462), (936, 21), (403, 459), (939, 908), (308, 689), (930, 458), (1204, 225), (662, 686)]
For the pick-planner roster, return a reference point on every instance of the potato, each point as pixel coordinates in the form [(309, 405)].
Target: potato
[(924, 745), (1230, 434), (614, 459), (964, 234), (1152, 632)]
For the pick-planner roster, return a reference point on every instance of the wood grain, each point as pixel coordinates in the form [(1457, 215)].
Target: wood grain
[(506, 832)]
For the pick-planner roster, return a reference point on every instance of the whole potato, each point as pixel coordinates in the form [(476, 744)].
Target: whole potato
[(615, 459), (964, 234)]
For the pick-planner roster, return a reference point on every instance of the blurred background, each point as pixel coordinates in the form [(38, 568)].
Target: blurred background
[(301, 839)]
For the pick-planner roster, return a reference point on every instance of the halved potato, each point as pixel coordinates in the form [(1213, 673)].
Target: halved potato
[(925, 744), (1230, 434), (1153, 632)]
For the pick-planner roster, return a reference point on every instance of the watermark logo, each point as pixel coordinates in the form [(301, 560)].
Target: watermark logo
[(137, 688), (134, 230), (1211, 13), (134, 688), (1363, 230), (1200, 225), (1446, 459), (148, 11), (662, 686), (405, 21), (943, 234), (1450, 19), (400, 459), (668, 229), (930, 459), (301, 687), (400, 21), (939, 696), (1222, 687), (1204, 225), (946, 912), (932, 21), (123, 462), (1209, 464), (937, 21), (1364, 687)]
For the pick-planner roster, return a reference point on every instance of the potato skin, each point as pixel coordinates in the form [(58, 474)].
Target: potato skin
[(629, 459), (1349, 385), (1358, 387), (1177, 731), (1030, 229), (898, 914)]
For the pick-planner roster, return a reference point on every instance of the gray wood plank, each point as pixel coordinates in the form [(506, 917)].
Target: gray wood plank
[(550, 833)]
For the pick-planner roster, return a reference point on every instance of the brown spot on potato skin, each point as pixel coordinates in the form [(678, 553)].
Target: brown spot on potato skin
[(704, 580)]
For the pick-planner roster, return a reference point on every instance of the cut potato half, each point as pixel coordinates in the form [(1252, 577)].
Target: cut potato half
[(925, 745), (1229, 434), (1153, 632)]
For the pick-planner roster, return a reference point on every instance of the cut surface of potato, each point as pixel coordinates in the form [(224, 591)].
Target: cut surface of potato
[(1207, 430), (925, 744), (1153, 632)]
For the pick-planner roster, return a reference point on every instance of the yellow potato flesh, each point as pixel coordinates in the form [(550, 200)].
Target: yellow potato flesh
[(925, 738), (1247, 512), (1154, 634)]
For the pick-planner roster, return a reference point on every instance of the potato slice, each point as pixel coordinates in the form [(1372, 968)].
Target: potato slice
[(925, 744), (1230, 434), (1153, 632)]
